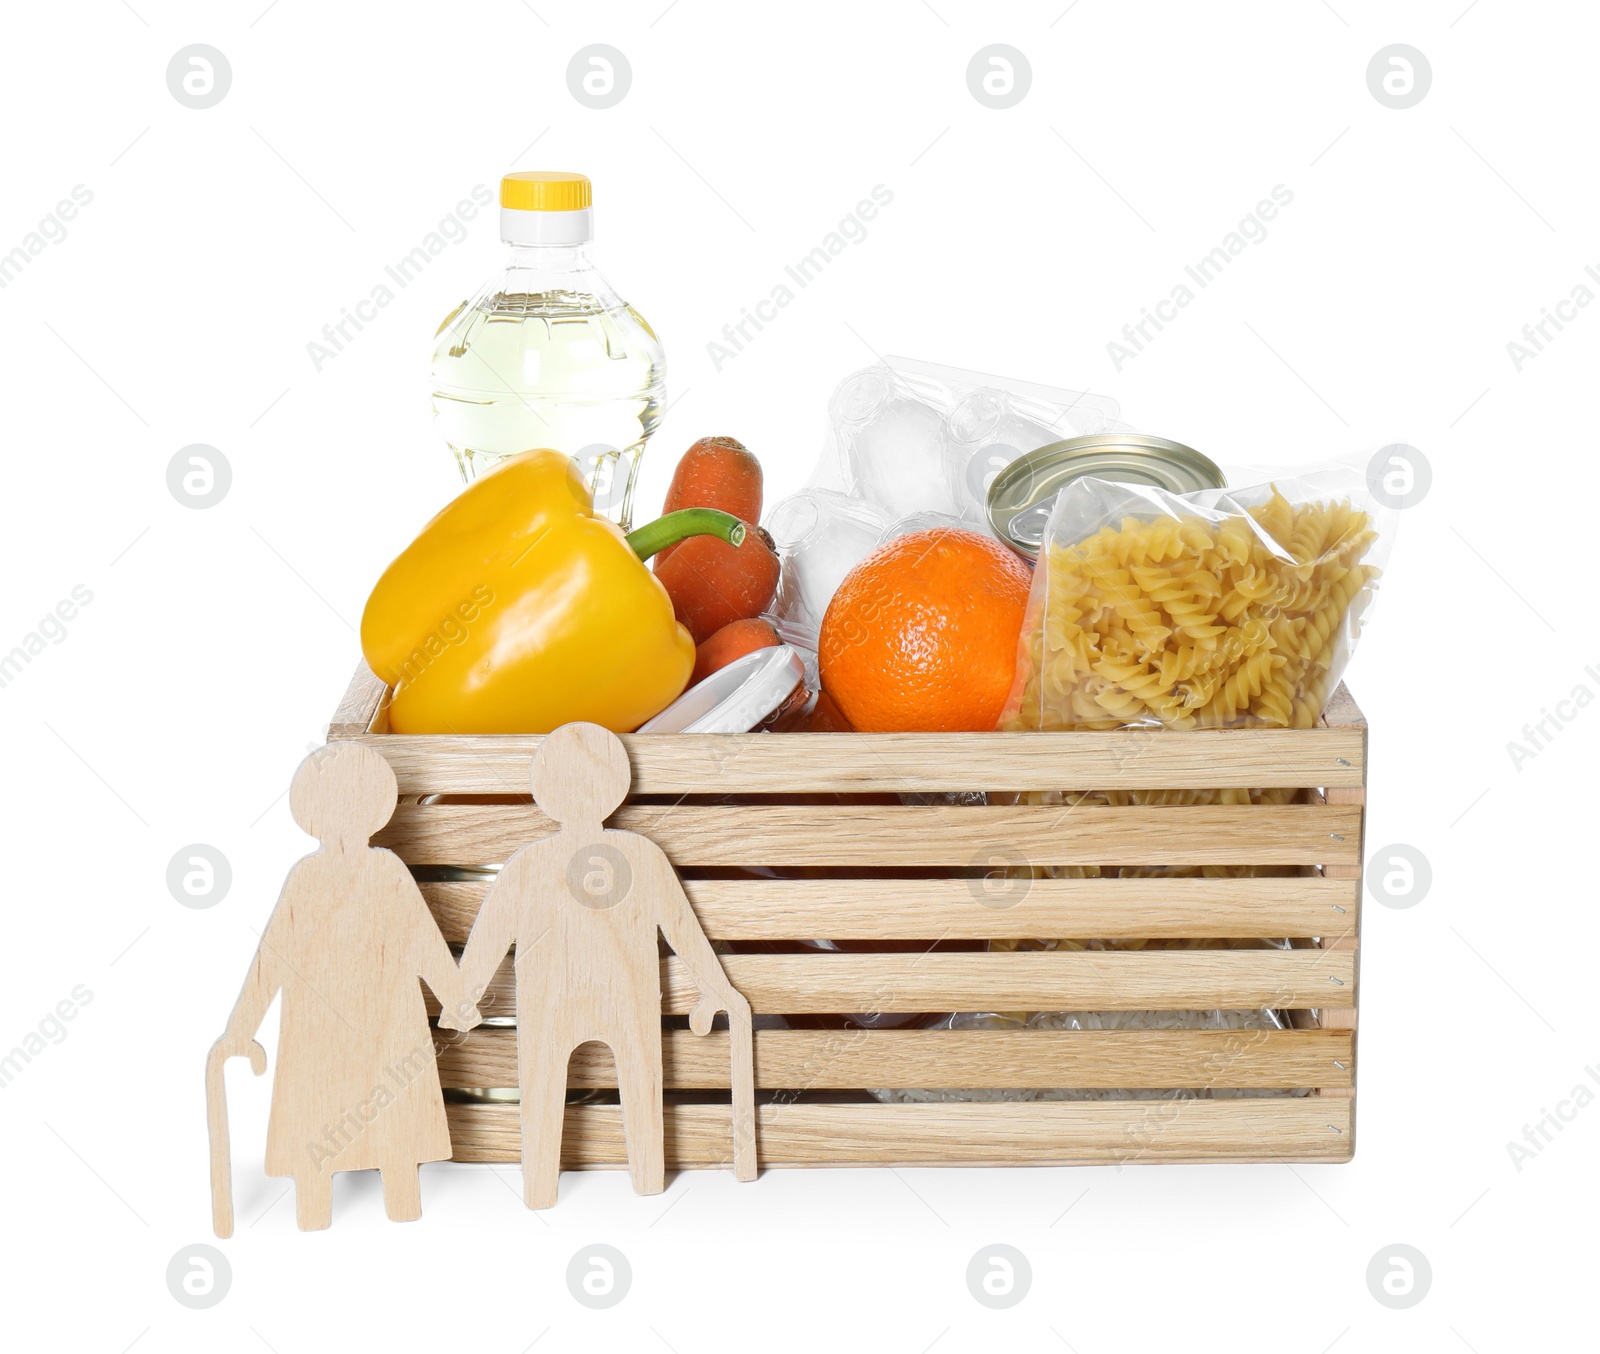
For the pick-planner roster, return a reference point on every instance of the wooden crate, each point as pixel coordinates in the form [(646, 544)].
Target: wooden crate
[(829, 802)]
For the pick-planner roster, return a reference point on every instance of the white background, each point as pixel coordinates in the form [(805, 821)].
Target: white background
[(220, 241)]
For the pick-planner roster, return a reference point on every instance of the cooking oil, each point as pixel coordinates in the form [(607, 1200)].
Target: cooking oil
[(547, 354)]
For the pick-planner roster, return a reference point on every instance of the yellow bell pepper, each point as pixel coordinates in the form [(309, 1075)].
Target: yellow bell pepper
[(517, 610)]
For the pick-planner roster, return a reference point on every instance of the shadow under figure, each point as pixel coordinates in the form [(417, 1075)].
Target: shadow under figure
[(582, 907), (357, 1085)]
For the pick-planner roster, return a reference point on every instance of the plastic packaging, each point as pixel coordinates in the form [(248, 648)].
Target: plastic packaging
[(736, 698), (922, 521), (1215, 608), (1096, 1020), (891, 436), (915, 437), (991, 427), (910, 445), (821, 535), (984, 433), (547, 354)]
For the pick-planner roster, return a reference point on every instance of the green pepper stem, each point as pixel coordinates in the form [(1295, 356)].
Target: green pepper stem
[(679, 526)]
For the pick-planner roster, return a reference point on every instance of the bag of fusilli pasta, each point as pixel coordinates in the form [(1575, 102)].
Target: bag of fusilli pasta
[(1203, 610)]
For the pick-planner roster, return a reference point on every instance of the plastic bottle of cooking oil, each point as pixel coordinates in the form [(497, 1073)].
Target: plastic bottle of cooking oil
[(547, 354)]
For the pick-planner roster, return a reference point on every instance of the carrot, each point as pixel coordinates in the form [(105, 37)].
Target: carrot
[(716, 472), (734, 640), (712, 583)]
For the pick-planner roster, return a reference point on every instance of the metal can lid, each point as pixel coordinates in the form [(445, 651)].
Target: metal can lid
[(1021, 496)]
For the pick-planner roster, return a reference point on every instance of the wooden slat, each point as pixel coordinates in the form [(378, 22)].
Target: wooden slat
[(357, 706), (953, 909), (816, 762), (1342, 712), (1344, 1016), (1084, 980), (1299, 1128), (798, 1060), (873, 835)]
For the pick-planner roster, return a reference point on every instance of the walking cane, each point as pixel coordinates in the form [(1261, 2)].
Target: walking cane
[(217, 1127), (742, 1083), (741, 1047)]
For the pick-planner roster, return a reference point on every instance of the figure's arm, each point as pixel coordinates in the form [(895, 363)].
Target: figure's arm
[(261, 985), (434, 960), (688, 941), (493, 932)]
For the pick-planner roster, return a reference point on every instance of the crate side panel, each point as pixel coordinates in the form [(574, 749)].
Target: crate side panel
[(801, 1060), (1026, 1134), (863, 763), (909, 983), (357, 706), (940, 835), (984, 909)]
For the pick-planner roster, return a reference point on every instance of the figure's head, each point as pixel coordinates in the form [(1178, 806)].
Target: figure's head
[(580, 774), (343, 793)]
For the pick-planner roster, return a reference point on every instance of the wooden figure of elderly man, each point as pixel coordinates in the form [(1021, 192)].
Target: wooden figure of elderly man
[(582, 906)]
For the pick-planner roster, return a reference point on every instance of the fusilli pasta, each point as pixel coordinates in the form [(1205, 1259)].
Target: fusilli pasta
[(1190, 623)]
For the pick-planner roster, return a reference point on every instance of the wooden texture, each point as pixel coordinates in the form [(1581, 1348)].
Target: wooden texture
[(1343, 1015), (217, 1132), (803, 1060), (1096, 980), (948, 836), (582, 907), (805, 763), (1343, 713), (357, 1087), (358, 706), (955, 909), (1300, 1128), (980, 852), (818, 763), (740, 1043)]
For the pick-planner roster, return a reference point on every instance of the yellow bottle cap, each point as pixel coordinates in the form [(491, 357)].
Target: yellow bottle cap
[(544, 190)]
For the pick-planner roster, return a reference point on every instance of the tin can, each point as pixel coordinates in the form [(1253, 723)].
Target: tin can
[(511, 1095), (1022, 494), (483, 1095)]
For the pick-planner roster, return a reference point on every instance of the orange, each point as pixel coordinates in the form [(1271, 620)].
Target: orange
[(922, 634)]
